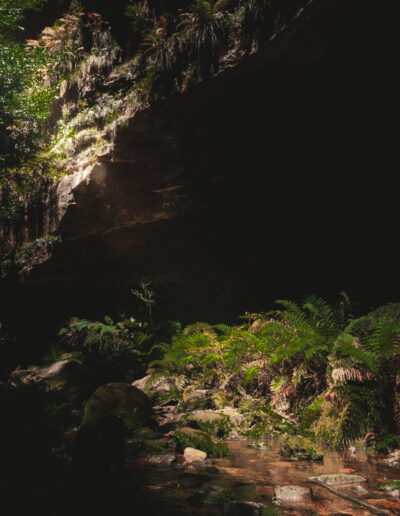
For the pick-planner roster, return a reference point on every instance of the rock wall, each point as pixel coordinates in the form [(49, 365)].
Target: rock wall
[(225, 196)]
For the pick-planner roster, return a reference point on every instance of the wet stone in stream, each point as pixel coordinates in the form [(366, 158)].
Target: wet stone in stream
[(292, 494)]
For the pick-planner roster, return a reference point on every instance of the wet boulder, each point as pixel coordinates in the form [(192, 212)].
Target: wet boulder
[(338, 479), (234, 416), (191, 438), (292, 494), (193, 455), (300, 448), (118, 399), (210, 421)]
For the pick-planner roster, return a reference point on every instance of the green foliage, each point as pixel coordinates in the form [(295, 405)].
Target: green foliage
[(141, 19), (310, 415), (295, 354), (25, 93), (249, 375), (101, 337), (391, 485), (12, 12), (300, 447), (387, 443), (204, 25), (354, 411), (189, 437)]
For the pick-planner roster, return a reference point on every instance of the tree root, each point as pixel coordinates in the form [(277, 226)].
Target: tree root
[(361, 503)]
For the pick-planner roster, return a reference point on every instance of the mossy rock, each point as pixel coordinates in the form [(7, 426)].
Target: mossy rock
[(250, 404), (191, 438), (209, 421), (296, 446), (196, 399), (118, 399)]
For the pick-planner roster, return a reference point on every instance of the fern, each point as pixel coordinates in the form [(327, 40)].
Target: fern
[(249, 375), (295, 315), (322, 316), (385, 338), (211, 359)]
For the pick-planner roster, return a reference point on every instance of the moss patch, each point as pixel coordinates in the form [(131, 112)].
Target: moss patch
[(390, 486), (191, 438), (209, 421), (300, 447)]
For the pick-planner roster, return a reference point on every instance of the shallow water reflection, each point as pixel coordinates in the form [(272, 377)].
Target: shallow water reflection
[(251, 474)]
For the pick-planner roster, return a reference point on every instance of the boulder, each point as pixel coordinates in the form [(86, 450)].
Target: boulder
[(209, 421), (118, 399), (192, 455), (338, 478), (298, 447), (191, 438), (235, 417), (292, 494), (196, 399), (52, 374)]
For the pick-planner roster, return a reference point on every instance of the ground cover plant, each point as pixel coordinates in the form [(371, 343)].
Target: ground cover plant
[(337, 375)]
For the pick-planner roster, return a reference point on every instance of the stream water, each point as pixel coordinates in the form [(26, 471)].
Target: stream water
[(250, 474)]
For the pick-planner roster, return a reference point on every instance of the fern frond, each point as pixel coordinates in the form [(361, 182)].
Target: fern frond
[(249, 375), (295, 315), (385, 338), (211, 358), (322, 316)]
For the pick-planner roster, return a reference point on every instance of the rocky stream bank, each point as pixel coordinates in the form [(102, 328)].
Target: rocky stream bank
[(202, 454)]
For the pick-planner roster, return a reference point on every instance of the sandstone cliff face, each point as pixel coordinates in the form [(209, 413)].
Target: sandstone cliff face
[(205, 193)]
